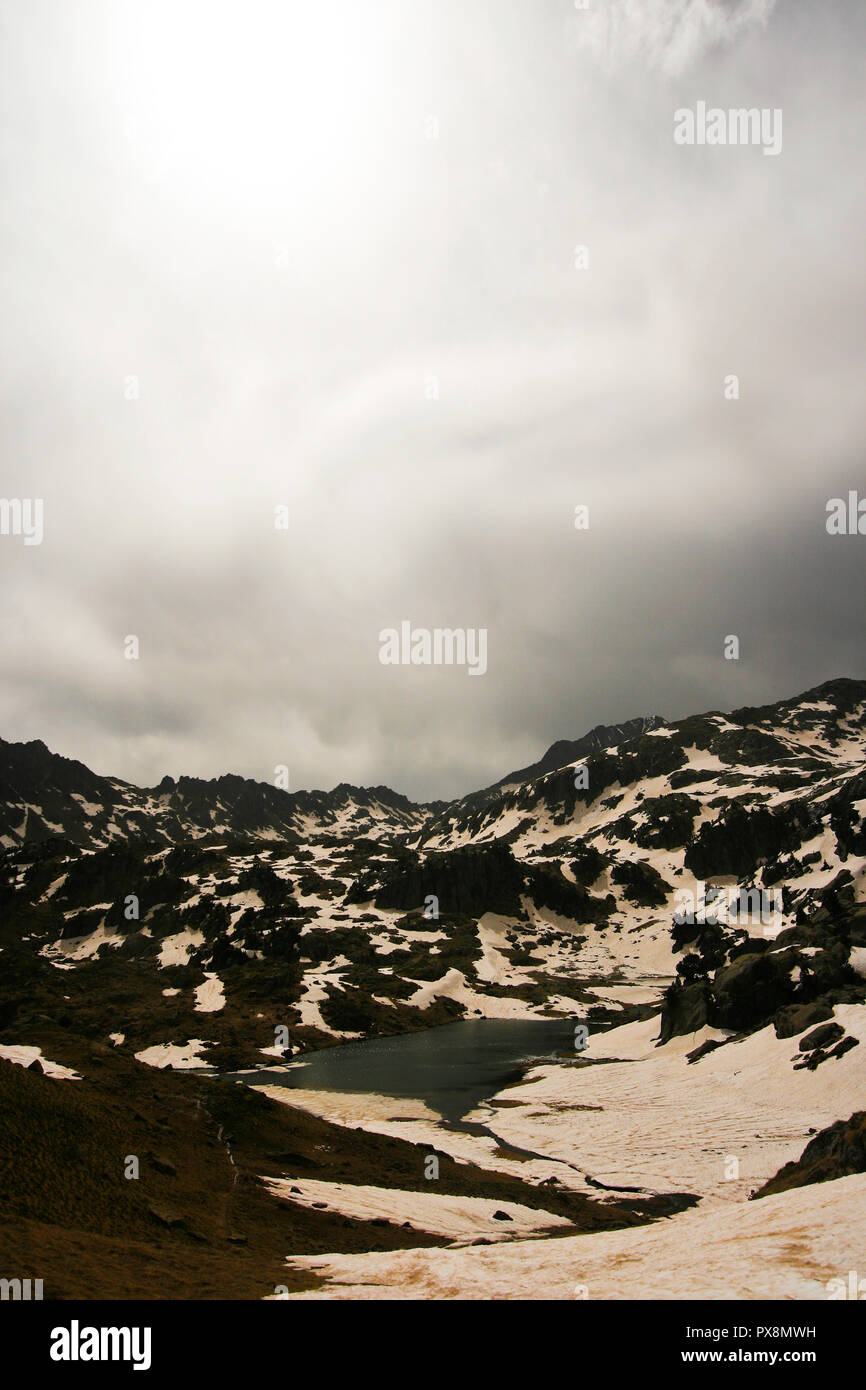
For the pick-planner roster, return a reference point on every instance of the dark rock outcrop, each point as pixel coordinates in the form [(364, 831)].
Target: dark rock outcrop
[(686, 1008), (823, 1036), (750, 990), (471, 880), (794, 1018), (834, 1153), (641, 883), (743, 838)]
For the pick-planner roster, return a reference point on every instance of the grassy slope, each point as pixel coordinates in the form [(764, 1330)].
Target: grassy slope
[(193, 1225)]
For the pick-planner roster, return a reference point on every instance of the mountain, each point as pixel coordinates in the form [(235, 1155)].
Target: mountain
[(565, 751), (366, 913), (693, 892), (43, 795)]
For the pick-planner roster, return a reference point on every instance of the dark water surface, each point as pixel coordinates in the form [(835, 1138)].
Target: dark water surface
[(451, 1069)]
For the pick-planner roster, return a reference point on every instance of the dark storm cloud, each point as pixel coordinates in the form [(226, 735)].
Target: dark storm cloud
[(254, 258)]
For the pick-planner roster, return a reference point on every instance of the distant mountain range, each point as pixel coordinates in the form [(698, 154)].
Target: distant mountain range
[(703, 880), (369, 913), (44, 795)]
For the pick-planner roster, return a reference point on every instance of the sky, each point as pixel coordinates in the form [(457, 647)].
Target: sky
[(324, 258)]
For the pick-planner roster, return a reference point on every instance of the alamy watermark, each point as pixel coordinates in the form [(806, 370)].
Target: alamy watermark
[(441, 646), (846, 518), (23, 516), (851, 1288), (19, 1290), (77, 1343), (738, 126), (717, 907)]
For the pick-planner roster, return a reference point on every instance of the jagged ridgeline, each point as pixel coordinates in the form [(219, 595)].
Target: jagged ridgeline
[(218, 910), (699, 881)]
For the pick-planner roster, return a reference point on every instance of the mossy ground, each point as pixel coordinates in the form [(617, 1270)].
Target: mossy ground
[(198, 1223)]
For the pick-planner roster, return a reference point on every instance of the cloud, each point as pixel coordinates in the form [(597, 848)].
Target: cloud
[(286, 325), (670, 36)]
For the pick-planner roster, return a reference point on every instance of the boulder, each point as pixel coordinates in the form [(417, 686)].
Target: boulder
[(751, 990), (795, 1018), (685, 1010), (823, 1036), (834, 1153)]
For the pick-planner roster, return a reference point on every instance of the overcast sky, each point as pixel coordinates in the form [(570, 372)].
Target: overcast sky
[(323, 256)]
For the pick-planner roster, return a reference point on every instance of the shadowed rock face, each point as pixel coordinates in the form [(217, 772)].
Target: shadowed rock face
[(565, 751), (40, 791), (548, 887), (686, 1009), (741, 840), (791, 1020), (739, 983), (834, 1153), (296, 897), (752, 989), (479, 879), (823, 1036), (642, 884), (474, 880)]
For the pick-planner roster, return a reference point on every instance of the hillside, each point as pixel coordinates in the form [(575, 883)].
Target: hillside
[(691, 892)]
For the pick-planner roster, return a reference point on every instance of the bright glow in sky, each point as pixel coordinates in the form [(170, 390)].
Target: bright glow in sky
[(332, 245)]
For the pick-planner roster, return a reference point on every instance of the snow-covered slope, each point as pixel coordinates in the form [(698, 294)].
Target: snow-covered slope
[(583, 891), (43, 795), (800, 1245), (691, 894)]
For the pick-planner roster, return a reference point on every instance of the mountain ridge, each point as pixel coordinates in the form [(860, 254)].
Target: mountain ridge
[(178, 807), (694, 900), (22, 762)]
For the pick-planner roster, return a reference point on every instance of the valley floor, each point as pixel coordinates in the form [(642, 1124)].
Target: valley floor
[(791, 1246), (155, 943), (632, 1118), (623, 1173)]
